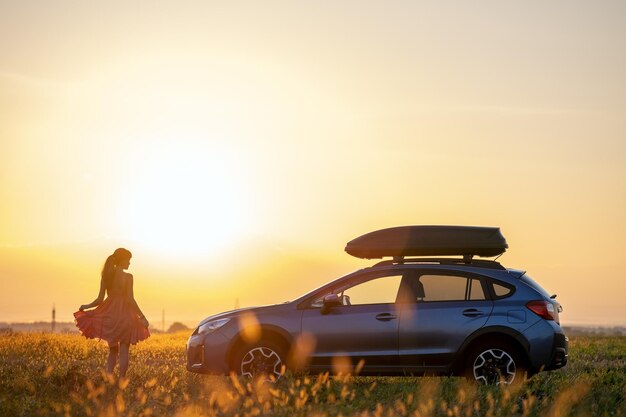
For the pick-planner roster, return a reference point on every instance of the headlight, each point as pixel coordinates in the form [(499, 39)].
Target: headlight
[(211, 326)]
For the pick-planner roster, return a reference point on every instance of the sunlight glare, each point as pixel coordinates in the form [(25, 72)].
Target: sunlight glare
[(185, 200)]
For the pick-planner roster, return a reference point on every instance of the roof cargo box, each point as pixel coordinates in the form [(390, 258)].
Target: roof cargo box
[(429, 241)]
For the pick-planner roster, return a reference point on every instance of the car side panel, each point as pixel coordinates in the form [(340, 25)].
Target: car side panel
[(431, 333), (512, 313), (355, 332), (541, 337)]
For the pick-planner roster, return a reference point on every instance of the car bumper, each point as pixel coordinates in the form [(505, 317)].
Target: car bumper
[(560, 352), (548, 346), (208, 353)]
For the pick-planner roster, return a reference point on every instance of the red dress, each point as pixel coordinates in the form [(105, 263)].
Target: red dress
[(115, 319)]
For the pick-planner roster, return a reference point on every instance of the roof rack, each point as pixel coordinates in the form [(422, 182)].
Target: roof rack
[(466, 260)]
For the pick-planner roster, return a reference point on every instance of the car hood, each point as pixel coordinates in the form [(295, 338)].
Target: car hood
[(235, 313)]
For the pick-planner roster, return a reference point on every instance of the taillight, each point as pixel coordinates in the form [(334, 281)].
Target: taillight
[(543, 309)]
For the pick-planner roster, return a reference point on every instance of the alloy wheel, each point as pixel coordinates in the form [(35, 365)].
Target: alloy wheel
[(494, 366), (262, 361)]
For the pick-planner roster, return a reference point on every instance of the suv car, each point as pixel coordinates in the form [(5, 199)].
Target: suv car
[(408, 315)]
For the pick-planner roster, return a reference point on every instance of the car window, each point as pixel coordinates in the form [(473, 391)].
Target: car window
[(432, 287), (476, 290), (380, 290), (376, 291), (442, 288), (501, 291)]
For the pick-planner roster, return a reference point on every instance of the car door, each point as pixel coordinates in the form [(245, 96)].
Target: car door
[(446, 308), (364, 327)]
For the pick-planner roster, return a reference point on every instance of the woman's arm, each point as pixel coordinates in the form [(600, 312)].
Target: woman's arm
[(97, 301), (133, 302)]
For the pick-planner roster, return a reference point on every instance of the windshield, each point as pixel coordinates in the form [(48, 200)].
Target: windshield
[(330, 284)]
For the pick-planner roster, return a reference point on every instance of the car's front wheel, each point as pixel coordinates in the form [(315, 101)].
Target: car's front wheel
[(495, 363), (261, 360)]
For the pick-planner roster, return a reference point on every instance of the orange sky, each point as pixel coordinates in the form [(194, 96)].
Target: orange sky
[(235, 148)]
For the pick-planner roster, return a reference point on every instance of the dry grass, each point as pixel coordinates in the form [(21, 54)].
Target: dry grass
[(44, 374)]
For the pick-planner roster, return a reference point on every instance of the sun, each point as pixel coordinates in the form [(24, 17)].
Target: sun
[(185, 199)]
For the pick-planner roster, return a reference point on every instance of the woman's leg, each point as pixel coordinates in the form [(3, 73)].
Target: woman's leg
[(123, 358), (112, 361)]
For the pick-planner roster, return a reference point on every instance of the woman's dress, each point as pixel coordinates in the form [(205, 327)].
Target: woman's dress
[(115, 319)]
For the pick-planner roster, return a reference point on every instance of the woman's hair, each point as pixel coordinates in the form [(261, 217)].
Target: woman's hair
[(120, 255)]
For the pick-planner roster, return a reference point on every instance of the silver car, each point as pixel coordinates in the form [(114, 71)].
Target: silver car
[(407, 315)]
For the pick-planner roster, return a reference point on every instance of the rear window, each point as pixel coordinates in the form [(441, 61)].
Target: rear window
[(533, 284), (501, 291), (443, 287), (448, 288)]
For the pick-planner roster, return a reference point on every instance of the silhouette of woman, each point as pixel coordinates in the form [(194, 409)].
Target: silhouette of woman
[(116, 319)]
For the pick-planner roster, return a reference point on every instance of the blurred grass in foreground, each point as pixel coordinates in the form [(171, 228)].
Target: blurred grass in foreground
[(44, 374)]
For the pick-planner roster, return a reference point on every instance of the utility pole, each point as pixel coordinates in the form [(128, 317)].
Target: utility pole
[(54, 316), (163, 321), (237, 303)]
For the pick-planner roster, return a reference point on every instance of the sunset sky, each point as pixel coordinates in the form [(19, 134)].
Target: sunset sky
[(235, 147)]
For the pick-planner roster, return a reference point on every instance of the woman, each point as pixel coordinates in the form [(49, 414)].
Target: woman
[(116, 319)]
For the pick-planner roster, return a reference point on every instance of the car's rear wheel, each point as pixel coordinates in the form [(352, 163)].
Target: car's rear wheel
[(261, 360), (495, 363)]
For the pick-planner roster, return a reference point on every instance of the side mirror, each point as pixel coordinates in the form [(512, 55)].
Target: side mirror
[(330, 301)]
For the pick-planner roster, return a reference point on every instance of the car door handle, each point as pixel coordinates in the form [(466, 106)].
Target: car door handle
[(472, 312), (385, 316)]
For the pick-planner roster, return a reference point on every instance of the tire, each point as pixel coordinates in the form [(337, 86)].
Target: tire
[(264, 360), (495, 363)]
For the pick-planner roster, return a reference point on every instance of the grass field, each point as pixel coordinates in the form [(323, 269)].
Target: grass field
[(43, 374)]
